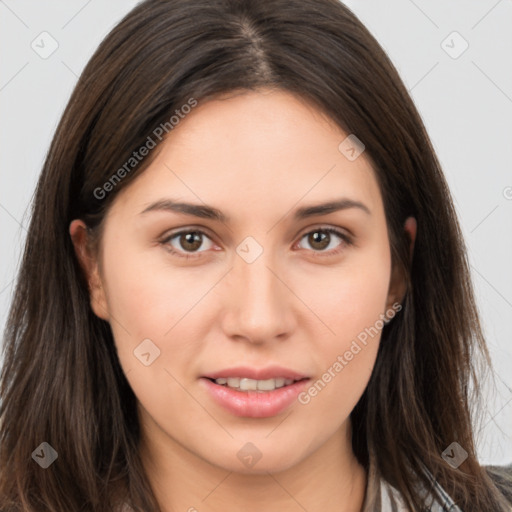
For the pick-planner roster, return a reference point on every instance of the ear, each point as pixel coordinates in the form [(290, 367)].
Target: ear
[(397, 285), (89, 264)]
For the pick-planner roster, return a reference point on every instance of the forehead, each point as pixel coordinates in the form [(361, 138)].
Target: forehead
[(258, 151)]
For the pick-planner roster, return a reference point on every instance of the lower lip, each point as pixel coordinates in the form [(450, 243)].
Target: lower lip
[(255, 404)]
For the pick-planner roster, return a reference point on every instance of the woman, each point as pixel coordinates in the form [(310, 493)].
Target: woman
[(244, 285)]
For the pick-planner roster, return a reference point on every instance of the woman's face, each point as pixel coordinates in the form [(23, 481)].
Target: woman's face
[(265, 294)]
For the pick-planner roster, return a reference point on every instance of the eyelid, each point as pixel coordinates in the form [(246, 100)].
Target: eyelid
[(326, 227), (188, 229)]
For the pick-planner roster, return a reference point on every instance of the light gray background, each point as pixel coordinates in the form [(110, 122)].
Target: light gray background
[(465, 102)]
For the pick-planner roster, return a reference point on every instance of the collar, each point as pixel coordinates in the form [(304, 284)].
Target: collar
[(381, 496)]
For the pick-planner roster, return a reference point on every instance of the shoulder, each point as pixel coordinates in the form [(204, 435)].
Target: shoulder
[(502, 478)]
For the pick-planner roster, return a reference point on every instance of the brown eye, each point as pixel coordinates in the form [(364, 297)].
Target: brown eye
[(190, 241), (185, 242), (319, 240), (324, 240)]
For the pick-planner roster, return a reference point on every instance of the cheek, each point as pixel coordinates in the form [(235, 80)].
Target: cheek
[(149, 300), (350, 297), (351, 302), (148, 304), (144, 294)]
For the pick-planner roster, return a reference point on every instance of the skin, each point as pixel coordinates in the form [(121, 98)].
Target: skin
[(256, 156)]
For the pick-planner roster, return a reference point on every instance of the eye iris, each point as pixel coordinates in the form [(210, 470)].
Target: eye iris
[(193, 238), (319, 237)]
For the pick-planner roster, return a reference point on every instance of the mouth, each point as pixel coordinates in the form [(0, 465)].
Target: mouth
[(253, 393)]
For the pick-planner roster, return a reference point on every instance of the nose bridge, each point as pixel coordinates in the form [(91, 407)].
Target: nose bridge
[(259, 303)]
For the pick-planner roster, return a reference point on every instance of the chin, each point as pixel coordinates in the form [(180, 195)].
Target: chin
[(249, 460)]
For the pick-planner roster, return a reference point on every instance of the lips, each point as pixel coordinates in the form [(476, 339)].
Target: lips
[(254, 393)]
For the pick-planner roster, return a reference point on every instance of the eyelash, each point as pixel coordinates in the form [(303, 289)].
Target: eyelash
[(347, 240)]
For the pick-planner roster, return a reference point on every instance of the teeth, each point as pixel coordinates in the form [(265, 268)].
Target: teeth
[(233, 382), (249, 384), (243, 384)]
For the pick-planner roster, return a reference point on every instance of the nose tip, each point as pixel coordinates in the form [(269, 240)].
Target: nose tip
[(258, 306)]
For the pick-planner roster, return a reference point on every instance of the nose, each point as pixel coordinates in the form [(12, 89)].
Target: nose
[(260, 304)]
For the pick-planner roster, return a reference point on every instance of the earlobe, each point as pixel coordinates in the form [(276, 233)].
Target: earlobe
[(398, 282), (89, 266), (411, 228)]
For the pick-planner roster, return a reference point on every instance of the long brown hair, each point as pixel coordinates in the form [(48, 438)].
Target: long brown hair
[(61, 381)]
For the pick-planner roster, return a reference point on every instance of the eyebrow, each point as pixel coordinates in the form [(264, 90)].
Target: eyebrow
[(209, 212)]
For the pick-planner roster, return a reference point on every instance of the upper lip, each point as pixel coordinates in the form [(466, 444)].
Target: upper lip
[(269, 372)]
